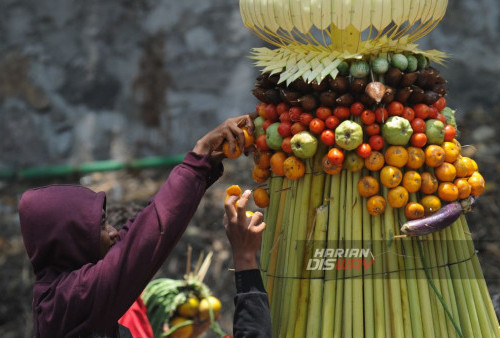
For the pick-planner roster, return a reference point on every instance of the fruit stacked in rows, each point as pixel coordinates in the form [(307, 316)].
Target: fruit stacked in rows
[(386, 114)]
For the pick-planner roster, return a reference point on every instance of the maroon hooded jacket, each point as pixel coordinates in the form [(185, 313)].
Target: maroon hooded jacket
[(77, 294)]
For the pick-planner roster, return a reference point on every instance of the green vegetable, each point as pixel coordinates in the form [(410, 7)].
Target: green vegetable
[(343, 68), (450, 116), (412, 63), (380, 65), (422, 61), (360, 69), (399, 61)]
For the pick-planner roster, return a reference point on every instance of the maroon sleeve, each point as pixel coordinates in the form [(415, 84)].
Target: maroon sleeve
[(109, 287)]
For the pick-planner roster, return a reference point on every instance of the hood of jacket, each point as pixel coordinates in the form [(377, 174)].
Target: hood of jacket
[(61, 227)]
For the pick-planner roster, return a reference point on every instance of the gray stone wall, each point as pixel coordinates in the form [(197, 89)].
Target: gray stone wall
[(91, 80)]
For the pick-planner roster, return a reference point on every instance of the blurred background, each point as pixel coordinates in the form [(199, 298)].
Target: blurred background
[(84, 81)]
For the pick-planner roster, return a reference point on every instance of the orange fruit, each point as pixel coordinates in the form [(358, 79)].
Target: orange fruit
[(451, 152), (390, 176), (189, 308), (376, 205), (457, 144), (262, 159), (434, 156), (416, 158), (431, 204), (260, 175), (470, 165), (414, 210), (329, 167), (398, 197), (368, 186), (464, 188), (474, 164), (477, 184), (233, 190), (429, 183), (375, 161), (228, 153), (412, 181), (396, 156), (277, 163), (249, 139), (294, 168), (461, 167), (183, 331), (448, 192), (209, 303), (261, 197), (446, 172)]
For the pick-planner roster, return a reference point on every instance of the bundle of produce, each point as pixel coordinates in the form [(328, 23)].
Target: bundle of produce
[(366, 183), (178, 308)]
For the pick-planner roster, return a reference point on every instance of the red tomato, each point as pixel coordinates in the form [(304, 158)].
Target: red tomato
[(440, 104), (335, 156), (433, 112), (297, 127), (418, 125), (285, 129), (271, 112), (421, 110), (286, 145), (323, 113), (260, 106), (328, 137), (441, 118), (306, 118), (342, 112), (418, 140), (357, 108), (408, 113), (449, 133), (368, 117), (364, 150), (332, 122), (282, 108), (262, 110), (266, 124), (396, 108), (317, 125), (285, 117), (381, 114), (261, 143), (295, 113), (373, 129), (376, 142)]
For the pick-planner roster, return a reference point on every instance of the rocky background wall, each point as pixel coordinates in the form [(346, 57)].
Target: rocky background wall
[(94, 80)]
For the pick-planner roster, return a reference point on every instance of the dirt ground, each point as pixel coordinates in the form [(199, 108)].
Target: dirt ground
[(206, 233)]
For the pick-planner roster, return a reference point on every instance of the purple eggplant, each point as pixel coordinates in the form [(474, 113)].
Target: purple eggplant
[(439, 220)]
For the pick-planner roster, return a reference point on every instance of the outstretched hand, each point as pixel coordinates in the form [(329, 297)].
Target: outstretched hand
[(244, 233)]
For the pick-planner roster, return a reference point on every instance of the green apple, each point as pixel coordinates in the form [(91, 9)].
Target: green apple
[(258, 130), (434, 130), (304, 144), (273, 137), (397, 131), (349, 135)]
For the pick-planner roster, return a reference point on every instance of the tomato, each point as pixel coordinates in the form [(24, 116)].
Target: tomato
[(261, 109), (433, 112), (342, 112), (282, 108), (396, 108), (368, 117), (381, 114), (260, 106), (295, 113), (285, 129), (418, 140), (285, 117), (364, 150), (323, 113), (373, 129), (317, 125), (376, 142), (336, 156), (441, 118), (306, 118), (266, 124), (357, 108), (408, 113), (271, 112), (421, 111), (328, 137), (418, 125), (449, 133), (261, 143), (440, 104), (332, 122), (297, 127), (286, 145)]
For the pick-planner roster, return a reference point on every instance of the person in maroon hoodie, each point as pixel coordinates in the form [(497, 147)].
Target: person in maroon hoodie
[(87, 273)]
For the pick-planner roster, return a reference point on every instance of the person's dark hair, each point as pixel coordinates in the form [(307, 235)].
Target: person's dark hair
[(119, 213)]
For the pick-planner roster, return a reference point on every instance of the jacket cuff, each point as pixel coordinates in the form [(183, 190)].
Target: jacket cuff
[(249, 280), (203, 165)]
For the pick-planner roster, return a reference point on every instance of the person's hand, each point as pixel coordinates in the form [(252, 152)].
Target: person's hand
[(230, 131), (244, 233)]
